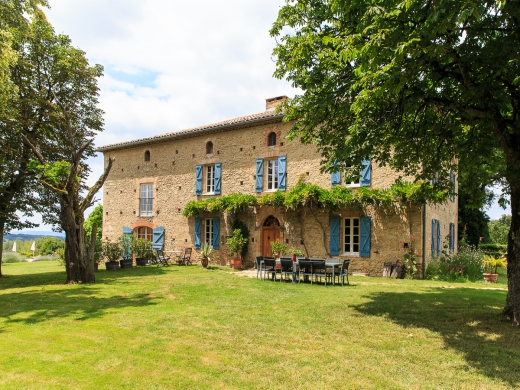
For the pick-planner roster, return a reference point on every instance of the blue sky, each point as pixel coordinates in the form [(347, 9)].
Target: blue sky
[(171, 64)]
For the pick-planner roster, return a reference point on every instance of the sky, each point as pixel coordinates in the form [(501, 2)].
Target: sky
[(172, 64)]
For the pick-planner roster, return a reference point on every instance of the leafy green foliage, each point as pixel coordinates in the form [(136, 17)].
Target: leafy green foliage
[(499, 229), (278, 248), (95, 218), (141, 247), (236, 242), (238, 224), (112, 250), (49, 245), (473, 223)]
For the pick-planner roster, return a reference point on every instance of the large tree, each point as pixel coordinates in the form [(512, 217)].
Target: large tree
[(73, 119), (422, 86), (17, 184)]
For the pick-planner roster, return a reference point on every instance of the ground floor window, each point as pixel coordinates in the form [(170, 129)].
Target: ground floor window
[(208, 231), (144, 232), (351, 235)]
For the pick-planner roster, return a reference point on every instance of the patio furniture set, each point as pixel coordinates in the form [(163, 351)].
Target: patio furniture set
[(179, 257), (306, 269)]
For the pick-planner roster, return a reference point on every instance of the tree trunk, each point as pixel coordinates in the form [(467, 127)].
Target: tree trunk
[(79, 263), (512, 307)]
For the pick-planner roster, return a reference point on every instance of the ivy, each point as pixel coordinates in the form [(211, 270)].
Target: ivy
[(312, 195)]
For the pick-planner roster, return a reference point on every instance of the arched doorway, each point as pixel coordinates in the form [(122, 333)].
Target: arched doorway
[(270, 232)]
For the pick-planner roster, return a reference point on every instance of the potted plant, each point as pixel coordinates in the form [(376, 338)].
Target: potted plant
[(236, 243), (141, 248), (491, 265), (295, 252), (278, 248), (126, 247), (205, 252), (111, 251)]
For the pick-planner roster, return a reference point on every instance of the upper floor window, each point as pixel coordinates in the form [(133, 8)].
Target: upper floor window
[(209, 147), (210, 178), (272, 175), (146, 200), (147, 155), (271, 139), (353, 183)]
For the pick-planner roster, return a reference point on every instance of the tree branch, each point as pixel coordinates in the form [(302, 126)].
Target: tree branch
[(95, 188)]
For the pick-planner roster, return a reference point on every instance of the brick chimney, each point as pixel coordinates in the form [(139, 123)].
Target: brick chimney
[(272, 103)]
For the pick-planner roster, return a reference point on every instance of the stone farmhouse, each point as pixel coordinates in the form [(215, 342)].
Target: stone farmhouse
[(154, 178)]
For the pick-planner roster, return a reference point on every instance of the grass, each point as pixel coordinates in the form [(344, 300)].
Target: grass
[(185, 327)]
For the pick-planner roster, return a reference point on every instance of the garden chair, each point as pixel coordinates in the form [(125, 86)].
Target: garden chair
[(343, 272), (184, 258), (305, 270), (319, 270), (162, 259), (258, 264), (286, 268), (269, 267), (333, 265)]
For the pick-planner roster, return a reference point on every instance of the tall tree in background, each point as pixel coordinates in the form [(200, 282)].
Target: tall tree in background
[(61, 152), (499, 229), (418, 85), (17, 185)]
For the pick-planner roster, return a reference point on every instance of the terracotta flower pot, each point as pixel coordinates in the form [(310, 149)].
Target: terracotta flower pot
[(204, 262), (491, 278), (236, 263)]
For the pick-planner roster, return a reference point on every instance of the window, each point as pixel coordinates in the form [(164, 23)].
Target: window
[(351, 235), (354, 183), (147, 155), (144, 232), (146, 200), (272, 175), (271, 139), (208, 231), (209, 147), (210, 179)]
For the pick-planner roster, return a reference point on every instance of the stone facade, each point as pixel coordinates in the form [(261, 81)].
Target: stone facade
[(237, 144)]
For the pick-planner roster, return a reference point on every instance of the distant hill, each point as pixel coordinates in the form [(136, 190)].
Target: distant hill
[(31, 236)]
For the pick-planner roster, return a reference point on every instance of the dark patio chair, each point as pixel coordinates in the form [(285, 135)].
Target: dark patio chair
[(305, 270), (332, 269), (286, 268), (258, 264), (185, 258), (162, 259), (269, 267), (343, 272), (319, 270)]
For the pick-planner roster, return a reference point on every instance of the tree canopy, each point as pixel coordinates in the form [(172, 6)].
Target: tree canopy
[(425, 87)]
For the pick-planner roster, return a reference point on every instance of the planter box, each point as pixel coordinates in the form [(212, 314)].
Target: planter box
[(126, 263), (491, 278), (112, 265), (141, 261)]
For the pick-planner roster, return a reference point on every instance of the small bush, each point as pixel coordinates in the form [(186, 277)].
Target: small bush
[(12, 258), (465, 265)]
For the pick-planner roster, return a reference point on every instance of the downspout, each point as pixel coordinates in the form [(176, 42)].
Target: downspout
[(424, 241)]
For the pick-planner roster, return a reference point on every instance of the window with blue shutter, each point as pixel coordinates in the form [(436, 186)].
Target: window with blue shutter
[(127, 250), (334, 235), (215, 240), (218, 174), (198, 179), (433, 238), (438, 237), (282, 172), (259, 183), (364, 236), (335, 177), (198, 232), (366, 173), (158, 238), (452, 237)]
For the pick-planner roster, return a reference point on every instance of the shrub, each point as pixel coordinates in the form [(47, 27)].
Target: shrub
[(12, 258), (466, 264)]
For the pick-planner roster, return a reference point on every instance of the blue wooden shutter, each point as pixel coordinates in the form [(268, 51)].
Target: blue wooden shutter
[(334, 235), (433, 237), (364, 236), (218, 174), (198, 232), (366, 173), (158, 238), (259, 175), (438, 237), (282, 172), (215, 240), (198, 179), (335, 177), (452, 231), (127, 252)]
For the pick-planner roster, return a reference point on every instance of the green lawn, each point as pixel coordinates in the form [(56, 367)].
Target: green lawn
[(185, 327)]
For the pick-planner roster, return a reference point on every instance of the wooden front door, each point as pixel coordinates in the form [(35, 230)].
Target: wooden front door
[(269, 234)]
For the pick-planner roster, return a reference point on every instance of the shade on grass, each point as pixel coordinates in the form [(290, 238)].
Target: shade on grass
[(185, 327)]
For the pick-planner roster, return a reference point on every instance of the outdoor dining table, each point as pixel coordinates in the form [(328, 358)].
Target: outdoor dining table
[(295, 269)]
